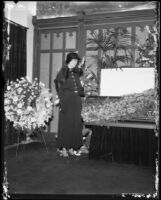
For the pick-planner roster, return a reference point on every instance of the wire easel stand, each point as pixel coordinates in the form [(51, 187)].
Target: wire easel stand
[(18, 140), (40, 132)]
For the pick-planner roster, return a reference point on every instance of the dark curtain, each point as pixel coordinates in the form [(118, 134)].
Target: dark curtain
[(123, 145), (15, 67)]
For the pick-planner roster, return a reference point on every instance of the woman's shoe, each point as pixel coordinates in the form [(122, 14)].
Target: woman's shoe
[(64, 153), (77, 153), (71, 152), (84, 149), (59, 152), (74, 153)]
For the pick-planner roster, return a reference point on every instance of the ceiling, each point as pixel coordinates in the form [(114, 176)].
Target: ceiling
[(53, 9)]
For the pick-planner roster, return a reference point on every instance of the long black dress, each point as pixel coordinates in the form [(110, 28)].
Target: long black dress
[(69, 90)]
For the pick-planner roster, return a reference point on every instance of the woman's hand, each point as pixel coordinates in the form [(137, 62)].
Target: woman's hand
[(82, 62), (57, 101)]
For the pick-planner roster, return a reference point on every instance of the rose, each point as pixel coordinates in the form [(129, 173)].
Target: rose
[(19, 105), (8, 87), (29, 108), (6, 101), (33, 119), (19, 111), (19, 90), (15, 99)]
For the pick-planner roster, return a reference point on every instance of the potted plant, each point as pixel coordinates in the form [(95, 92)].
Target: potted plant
[(112, 41)]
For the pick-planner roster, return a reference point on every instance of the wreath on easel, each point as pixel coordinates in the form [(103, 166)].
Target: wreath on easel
[(28, 105)]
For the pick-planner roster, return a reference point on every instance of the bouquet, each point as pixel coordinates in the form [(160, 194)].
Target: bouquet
[(27, 104), (89, 81)]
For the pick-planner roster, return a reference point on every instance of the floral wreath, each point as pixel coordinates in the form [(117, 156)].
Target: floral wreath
[(27, 104)]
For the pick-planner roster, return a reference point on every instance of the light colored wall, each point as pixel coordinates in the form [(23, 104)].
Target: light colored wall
[(22, 13)]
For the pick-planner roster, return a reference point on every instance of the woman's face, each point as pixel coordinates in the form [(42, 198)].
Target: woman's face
[(72, 63)]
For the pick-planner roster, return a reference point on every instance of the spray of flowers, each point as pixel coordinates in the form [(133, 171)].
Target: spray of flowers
[(89, 81), (27, 104), (133, 106), (147, 52)]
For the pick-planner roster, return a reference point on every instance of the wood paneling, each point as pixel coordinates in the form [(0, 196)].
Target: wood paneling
[(80, 25)]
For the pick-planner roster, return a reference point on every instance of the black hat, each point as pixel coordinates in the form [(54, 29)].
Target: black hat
[(71, 56)]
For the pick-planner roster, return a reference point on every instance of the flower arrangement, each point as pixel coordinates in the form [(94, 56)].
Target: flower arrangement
[(127, 107), (27, 104), (89, 81)]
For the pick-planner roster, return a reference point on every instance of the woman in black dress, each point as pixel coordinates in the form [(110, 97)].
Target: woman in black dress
[(69, 92)]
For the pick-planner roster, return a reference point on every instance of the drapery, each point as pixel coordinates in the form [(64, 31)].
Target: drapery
[(123, 145), (14, 66)]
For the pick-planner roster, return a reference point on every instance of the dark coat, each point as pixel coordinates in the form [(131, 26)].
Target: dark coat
[(61, 82), (69, 90)]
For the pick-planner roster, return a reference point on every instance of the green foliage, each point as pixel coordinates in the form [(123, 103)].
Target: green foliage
[(110, 42)]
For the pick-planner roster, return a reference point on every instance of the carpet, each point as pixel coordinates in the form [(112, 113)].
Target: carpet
[(36, 171)]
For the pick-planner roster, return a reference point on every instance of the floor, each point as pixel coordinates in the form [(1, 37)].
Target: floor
[(36, 171)]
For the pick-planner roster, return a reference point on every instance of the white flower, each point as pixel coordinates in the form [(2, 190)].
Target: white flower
[(34, 125), (11, 107), (89, 76), (19, 105), (48, 105), (19, 111), (29, 108), (15, 99), (42, 84), (6, 101), (8, 87), (19, 90), (33, 119)]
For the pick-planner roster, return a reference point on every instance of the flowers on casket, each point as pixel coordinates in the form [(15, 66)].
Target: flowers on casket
[(126, 107), (28, 105)]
